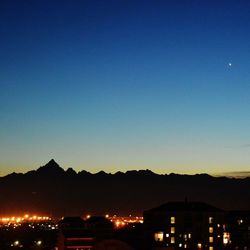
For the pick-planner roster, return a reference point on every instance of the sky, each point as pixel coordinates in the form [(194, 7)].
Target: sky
[(125, 84)]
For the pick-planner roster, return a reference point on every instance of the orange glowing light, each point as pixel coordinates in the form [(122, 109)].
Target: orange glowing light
[(26, 217)]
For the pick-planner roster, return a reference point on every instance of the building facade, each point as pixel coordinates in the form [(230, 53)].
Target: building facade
[(185, 225), (238, 230)]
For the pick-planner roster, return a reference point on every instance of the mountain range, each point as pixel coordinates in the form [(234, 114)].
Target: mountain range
[(52, 190)]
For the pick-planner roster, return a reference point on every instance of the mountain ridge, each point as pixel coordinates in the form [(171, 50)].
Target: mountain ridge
[(52, 164), (51, 189)]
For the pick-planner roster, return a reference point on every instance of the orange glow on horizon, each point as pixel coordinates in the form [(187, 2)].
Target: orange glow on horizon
[(124, 221), (26, 217)]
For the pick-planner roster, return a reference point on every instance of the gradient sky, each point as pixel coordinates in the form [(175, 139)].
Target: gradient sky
[(125, 84)]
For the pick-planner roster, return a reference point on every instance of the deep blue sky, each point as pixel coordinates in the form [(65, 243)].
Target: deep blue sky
[(125, 84)]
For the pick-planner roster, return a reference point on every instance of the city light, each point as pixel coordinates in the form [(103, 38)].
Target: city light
[(124, 221), (24, 218)]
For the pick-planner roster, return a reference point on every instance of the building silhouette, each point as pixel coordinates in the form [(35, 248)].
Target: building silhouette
[(238, 229), (73, 235), (185, 225)]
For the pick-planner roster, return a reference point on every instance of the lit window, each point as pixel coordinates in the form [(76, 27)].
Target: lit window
[(16, 243), (226, 238), (210, 220), (211, 239), (39, 242), (180, 245), (185, 245), (199, 245), (172, 220), (189, 235), (172, 230), (211, 248), (185, 237), (211, 230), (167, 235), (240, 221), (172, 240), (159, 236)]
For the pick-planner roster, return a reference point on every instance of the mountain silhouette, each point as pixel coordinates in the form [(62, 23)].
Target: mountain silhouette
[(52, 190), (50, 169)]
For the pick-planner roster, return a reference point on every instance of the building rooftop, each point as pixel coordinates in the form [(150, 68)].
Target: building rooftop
[(185, 206)]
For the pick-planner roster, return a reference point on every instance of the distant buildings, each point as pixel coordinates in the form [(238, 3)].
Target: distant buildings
[(73, 235), (100, 226), (95, 233)]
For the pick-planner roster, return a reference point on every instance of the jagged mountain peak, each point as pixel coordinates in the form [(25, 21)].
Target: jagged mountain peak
[(52, 167), (71, 171), (52, 162)]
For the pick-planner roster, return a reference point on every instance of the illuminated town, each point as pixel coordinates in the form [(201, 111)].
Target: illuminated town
[(24, 219), (15, 221), (173, 225)]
